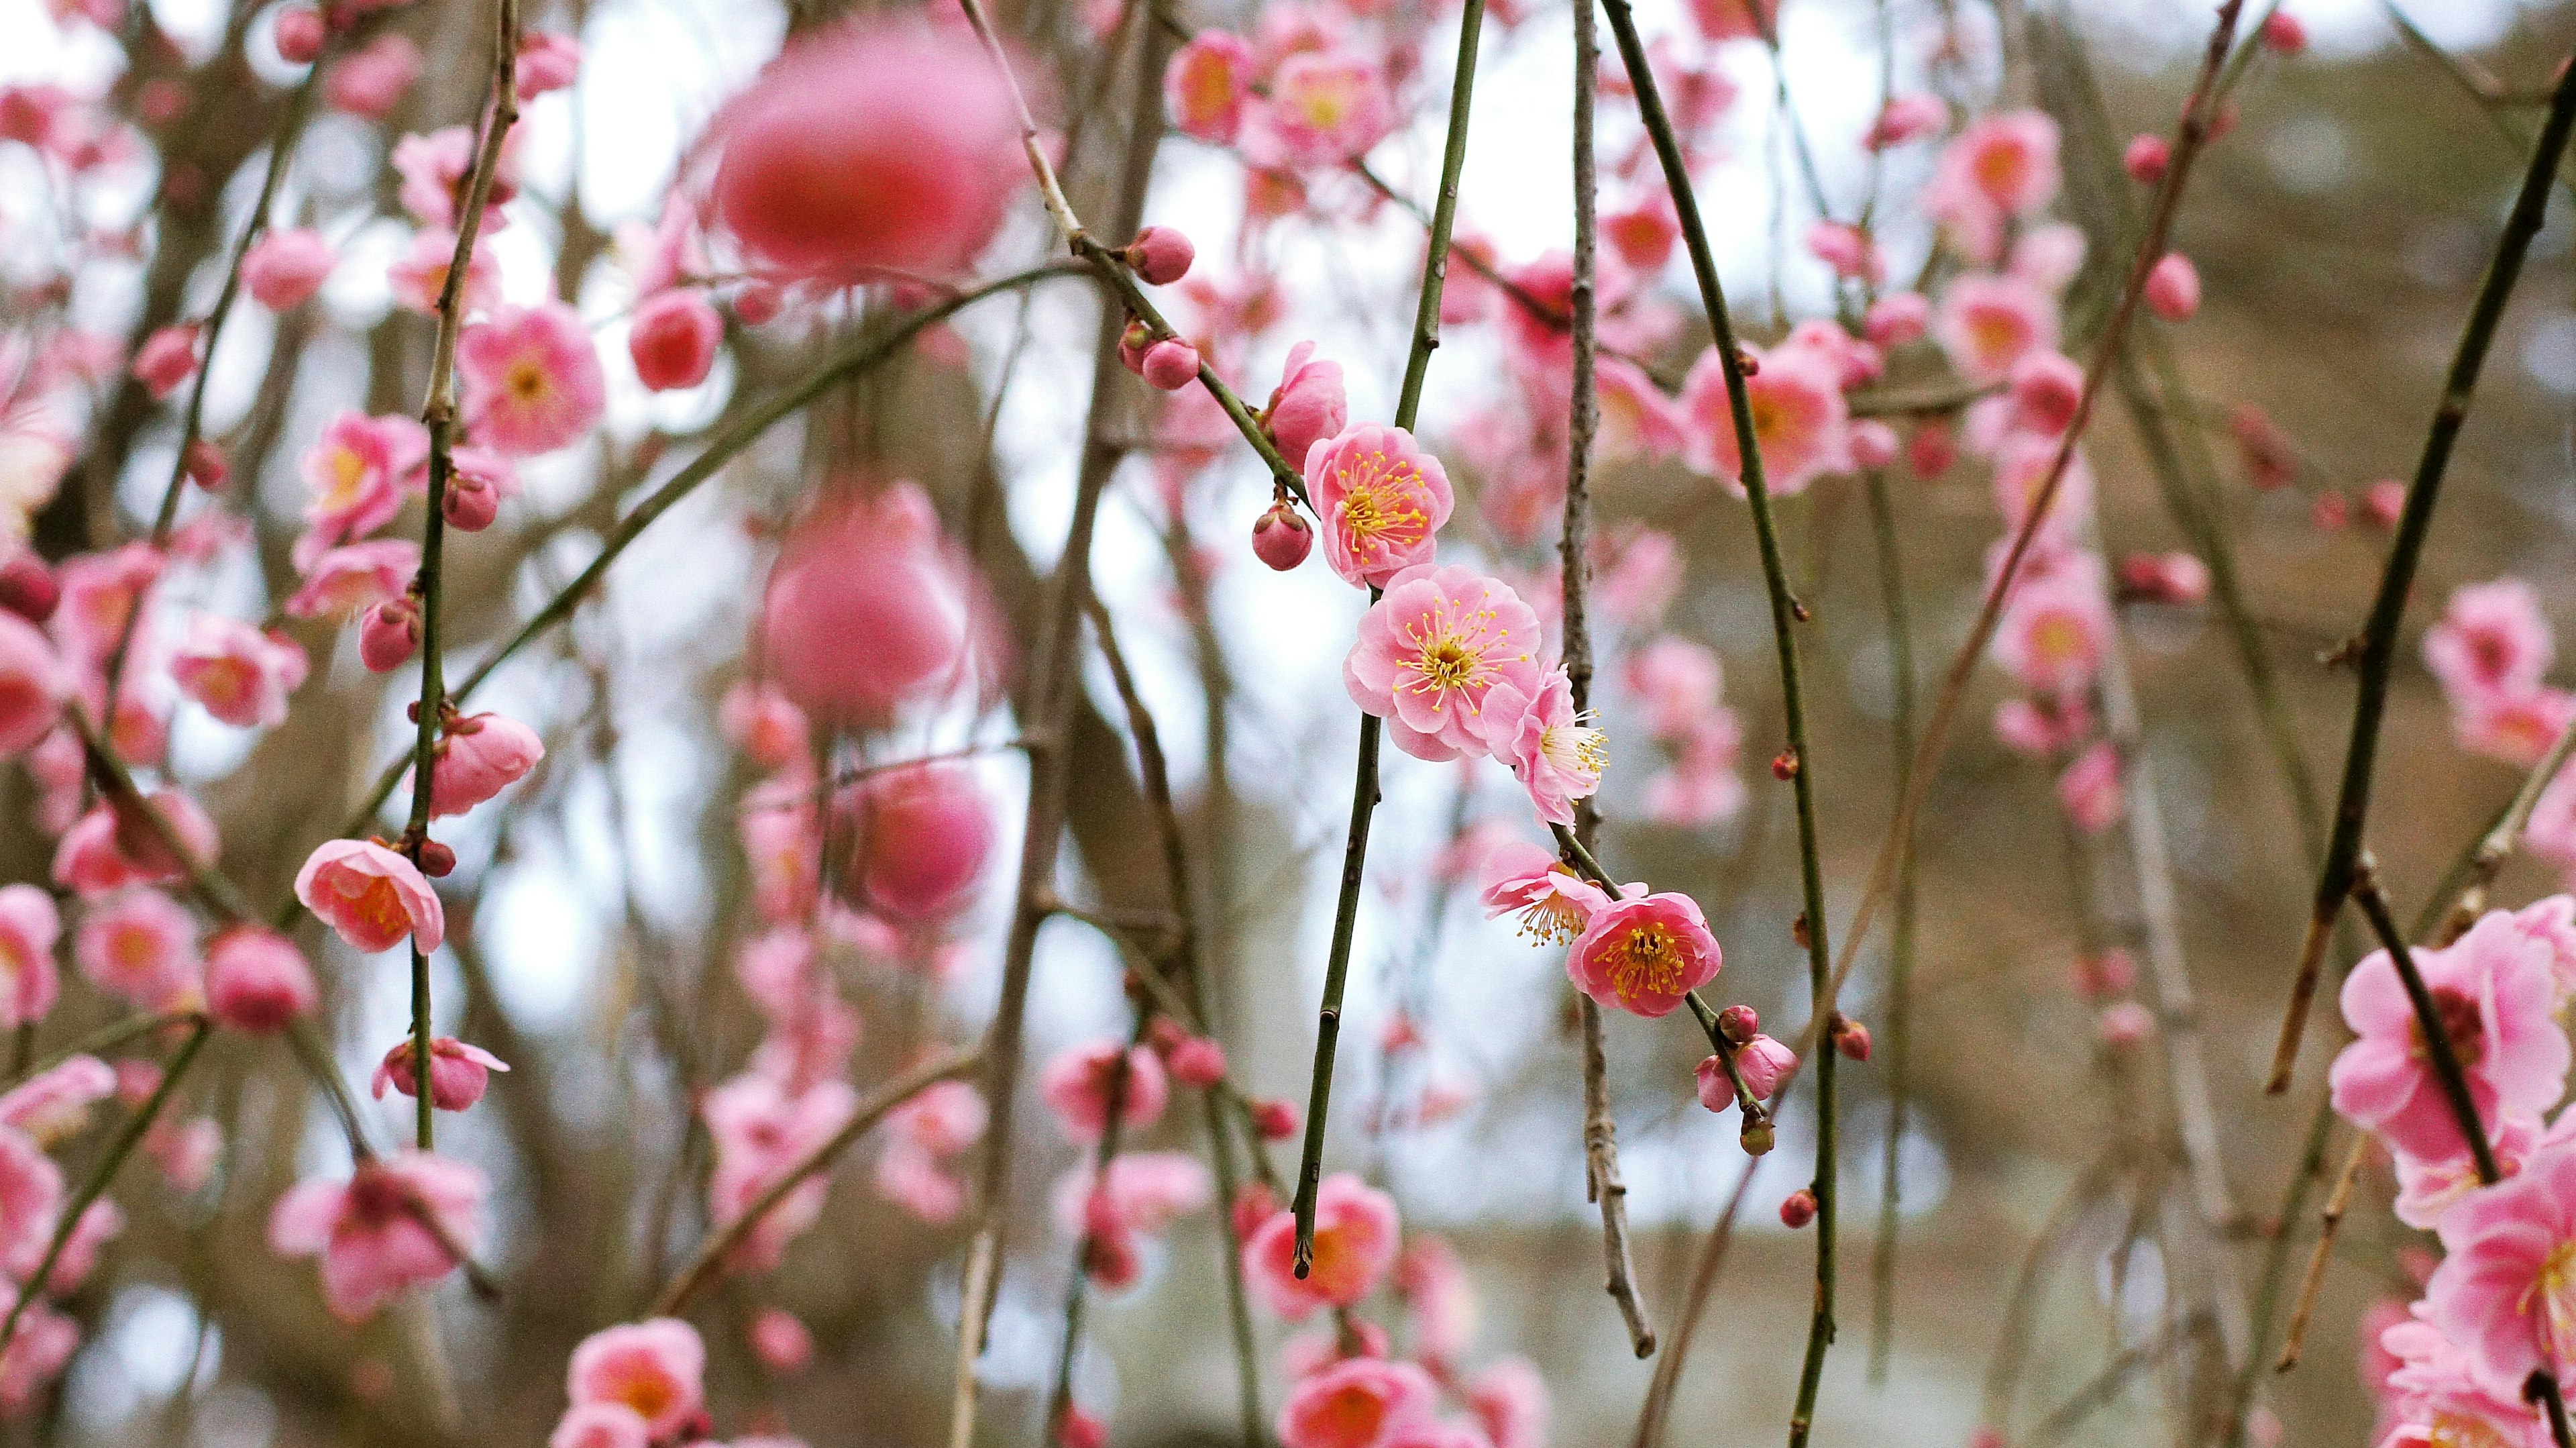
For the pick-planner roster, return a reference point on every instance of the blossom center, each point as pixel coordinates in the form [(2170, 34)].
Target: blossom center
[(1577, 749), (2458, 1014), (1647, 962), (527, 381), (2555, 1293)]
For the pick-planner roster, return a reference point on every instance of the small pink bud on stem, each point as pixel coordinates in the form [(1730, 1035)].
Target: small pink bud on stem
[(1281, 538), (1160, 255), (1798, 1209)]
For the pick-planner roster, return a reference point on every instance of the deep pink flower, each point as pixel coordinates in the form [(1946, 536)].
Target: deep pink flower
[(1556, 756), (2506, 1289), (673, 338), (656, 1367), (29, 983), (1308, 405), (140, 945), (1382, 497), (478, 756), (284, 268), (459, 1072), (240, 674), (1204, 88), (351, 579), (1359, 1402), (866, 609), (1986, 323), (1076, 1086), (840, 160), (371, 896), (369, 1233), (532, 379), (2493, 639), (257, 981), (1553, 903), (1356, 1231), (919, 838), (1800, 421), (1432, 649), (1643, 954), (372, 81), (2495, 988), (33, 685), (358, 471)]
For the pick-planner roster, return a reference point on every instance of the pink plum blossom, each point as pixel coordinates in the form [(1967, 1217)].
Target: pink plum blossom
[(2173, 288), (1355, 1243), (1205, 85), (2505, 1292), (532, 379), (1556, 756), (1382, 498), (1986, 323), (2054, 630), (478, 756), (1078, 1083), (865, 609), (285, 268), (240, 674), (1324, 108), (371, 896), (2492, 639), (919, 838), (1433, 648), (1359, 1402), (673, 338), (419, 276), (459, 1072), (369, 1231), (656, 1367), (140, 945), (33, 685), (1553, 903), (2089, 789), (53, 1105), (358, 470), (1642, 954), (257, 981), (351, 579), (943, 1118), (1510, 1401), (764, 724), (1676, 682), (1800, 422), (2438, 1397), (372, 80), (29, 926), (1308, 405)]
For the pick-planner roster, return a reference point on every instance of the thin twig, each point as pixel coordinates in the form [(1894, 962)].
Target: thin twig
[(2505, 837), (2375, 653), (1899, 1005), (2314, 1278), (1364, 785)]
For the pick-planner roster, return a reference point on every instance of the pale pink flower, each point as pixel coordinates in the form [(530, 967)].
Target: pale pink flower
[(944, 1118), (761, 1130), (780, 1341), (44, 1345), (1908, 117), (478, 756), (2506, 1289), (1896, 319), (866, 609), (1359, 1402), (1800, 422), (1356, 1232), (1643, 954), (434, 170), (108, 850), (1556, 756), (2173, 288), (2492, 639), (548, 61), (1636, 419), (2437, 1397), (1848, 250), (459, 1072), (1324, 108), (532, 379), (53, 1105), (1676, 682), (100, 592), (1510, 1400), (1147, 1192), (284, 268), (1432, 649), (1986, 323), (29, 983), (2428, 1187), (600, 1425), (351, 579), (840, 160), (1439, 1301), (656, 1367), (2047, 725), (2514, 728), (139, 945), (257, 981), (31, 1199), (33, 685), (1205, 85), (1076, 1086), (419, 275), (185, 1151), (672, 339), (369, 1233), (1308, 405), (764, 724), (1701, 788), (2090, 789), (371, 81), (912, 1179), (919, 837), (1552, 902), (2048, 256), (782, 849), (358, 471), (2494, 989), (2054, 630), (2003, 166), (1382, 498), (371, 896), (240, 674)]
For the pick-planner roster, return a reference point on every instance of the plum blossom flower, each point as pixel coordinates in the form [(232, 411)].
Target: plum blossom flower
[(839, 160), (1801, 423), (2089, 790), (656, 1367), (1556, 755), (1077, 1085), (2492, 639), (419, 275), (673, 338), (2054, 630), (764, 724), (1205, 85), (1382, 498), (284, 268), (1643, 954), (1325, 107), (459, 1072), (943, 1118), (351, 579), (2506, 1289), (31, 1199), (44, 1344), (53, 1105), (1308, 405), (2438, 1397), (372, 80), (2494, 989), (1432, 649), (100, 592), (1360, 1402), (1986, 323), (369, 1231), (140, 945), (600, 1425), (532, 379), (761, 1130), (257, 981), (358, 470), (1355, 1243), (1510, 1401), (1554, 904), (477, 757), (33, 685), (919, 838), (865, 607), (371, 896), (2514, 728), (29, 926), (240, 674)]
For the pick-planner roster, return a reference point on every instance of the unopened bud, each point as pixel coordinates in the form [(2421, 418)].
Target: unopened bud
[(1132, 344), (1784, 765), (206, 466), (390, 634), (1275, 1119), (28, 589), (1170, 364), (1757, 1137), (1160, 255), (1281, 538), (470, 503), (1850, 1037), (436, 860), (1798, 1209), (1739, 1023)]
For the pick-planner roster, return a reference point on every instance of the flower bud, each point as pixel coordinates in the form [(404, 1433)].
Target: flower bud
[(299, 34), (1170, 364), (2283, 33), (1160, 255), (1132, 344), (2173, 288), (1739, 1024), (436, 860), (1275, 1119), (458, 1073), (1198, 1062), (257, 981), (759, 303), (1757, 1138), (1078, 1429), (1280, 538), (28, 589), (1850, 1037), (2382, 501), (1797, 1209), (390, 634), (2146, 159), (469, 503), (206, 466)]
